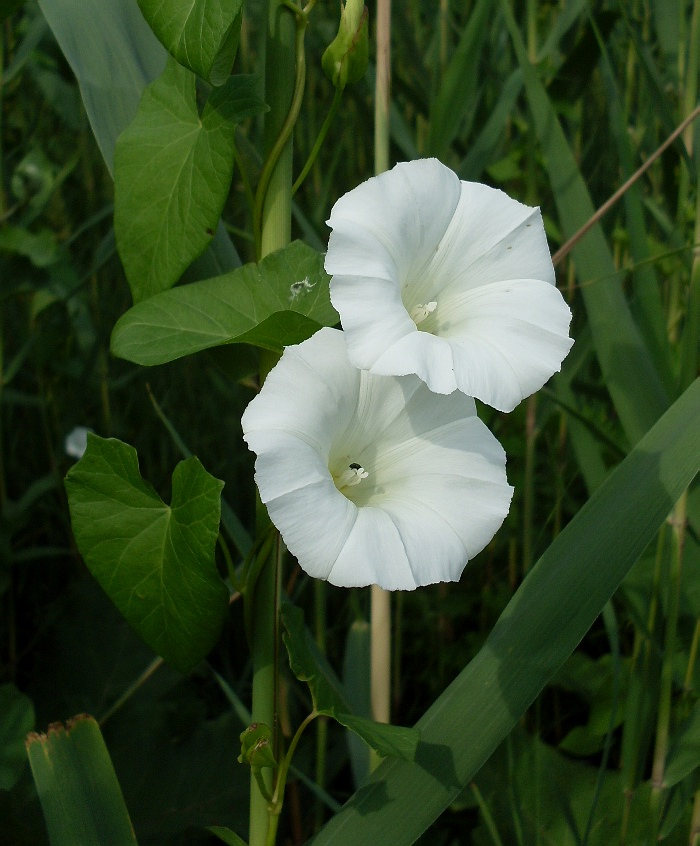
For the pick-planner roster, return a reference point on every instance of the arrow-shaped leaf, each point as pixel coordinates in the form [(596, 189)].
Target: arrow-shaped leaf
[(202, 35), (172, 173), (328, 699), (155, 561), (283, 300)]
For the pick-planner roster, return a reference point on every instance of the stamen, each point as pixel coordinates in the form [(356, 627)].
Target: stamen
[(419, 312), (352, 476)]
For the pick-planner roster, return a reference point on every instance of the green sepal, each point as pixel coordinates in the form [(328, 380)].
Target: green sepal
[(255, 747)]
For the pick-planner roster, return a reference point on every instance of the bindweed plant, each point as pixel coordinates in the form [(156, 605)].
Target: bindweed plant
[(374, 465)]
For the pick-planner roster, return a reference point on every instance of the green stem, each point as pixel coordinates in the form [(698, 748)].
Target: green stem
[(278, 796), (694, 837), (489, 821), (273, 222), (692, 657), (265, 185), (338, 96), (663, 725), (320, 627), (529, 487)]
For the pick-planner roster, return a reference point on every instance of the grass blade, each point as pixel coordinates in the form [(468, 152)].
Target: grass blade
[(554, 607), (77, 786)]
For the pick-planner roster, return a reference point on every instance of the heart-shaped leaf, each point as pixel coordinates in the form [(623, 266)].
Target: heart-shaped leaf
[(283, 300), (172, 173), (155, 561), (202, 35)]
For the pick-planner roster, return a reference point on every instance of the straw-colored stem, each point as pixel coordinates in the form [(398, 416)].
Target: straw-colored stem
[(380, 618), (383, 87), (563, 251)]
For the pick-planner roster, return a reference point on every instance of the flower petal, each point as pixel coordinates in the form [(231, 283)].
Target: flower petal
[(373, 554), (491, 237), (374, 316), (507, 339), (315, 523), (409, 205), (428, 356), (497, 328), (434, 488), (318, 371)]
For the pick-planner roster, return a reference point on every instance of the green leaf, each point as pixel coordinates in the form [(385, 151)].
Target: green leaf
[(329, 699), (114, 55), (16, 720), (156, 562), (7, 7), (77, 786), (629, 372), (550, 613), (356, 679), (172, 172), (458, 92), (226, 835), (39, 247), (684, 755), (202, 34), (283, 300)]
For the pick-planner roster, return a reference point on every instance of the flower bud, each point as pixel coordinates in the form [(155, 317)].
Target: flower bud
[(345, 59), (255, 747)]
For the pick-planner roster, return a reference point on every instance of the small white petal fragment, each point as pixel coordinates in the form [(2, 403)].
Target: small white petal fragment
[(448, 280), (76, 442), (371, 479)]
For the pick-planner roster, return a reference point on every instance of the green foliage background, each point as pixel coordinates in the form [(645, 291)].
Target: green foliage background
[(482, 86)]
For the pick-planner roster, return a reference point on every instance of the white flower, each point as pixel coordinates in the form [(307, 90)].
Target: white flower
[(371, 479), (75, 443), (449, 280)]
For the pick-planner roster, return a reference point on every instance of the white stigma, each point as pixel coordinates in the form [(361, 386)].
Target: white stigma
[(419, 312), (352, 476)]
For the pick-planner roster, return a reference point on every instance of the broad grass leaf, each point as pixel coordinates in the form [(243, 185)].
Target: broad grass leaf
[(457, 98), (630, 375), (155, 561), (203, 36), (283, 300), (77, 786), (539, 628), (113, 54)]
